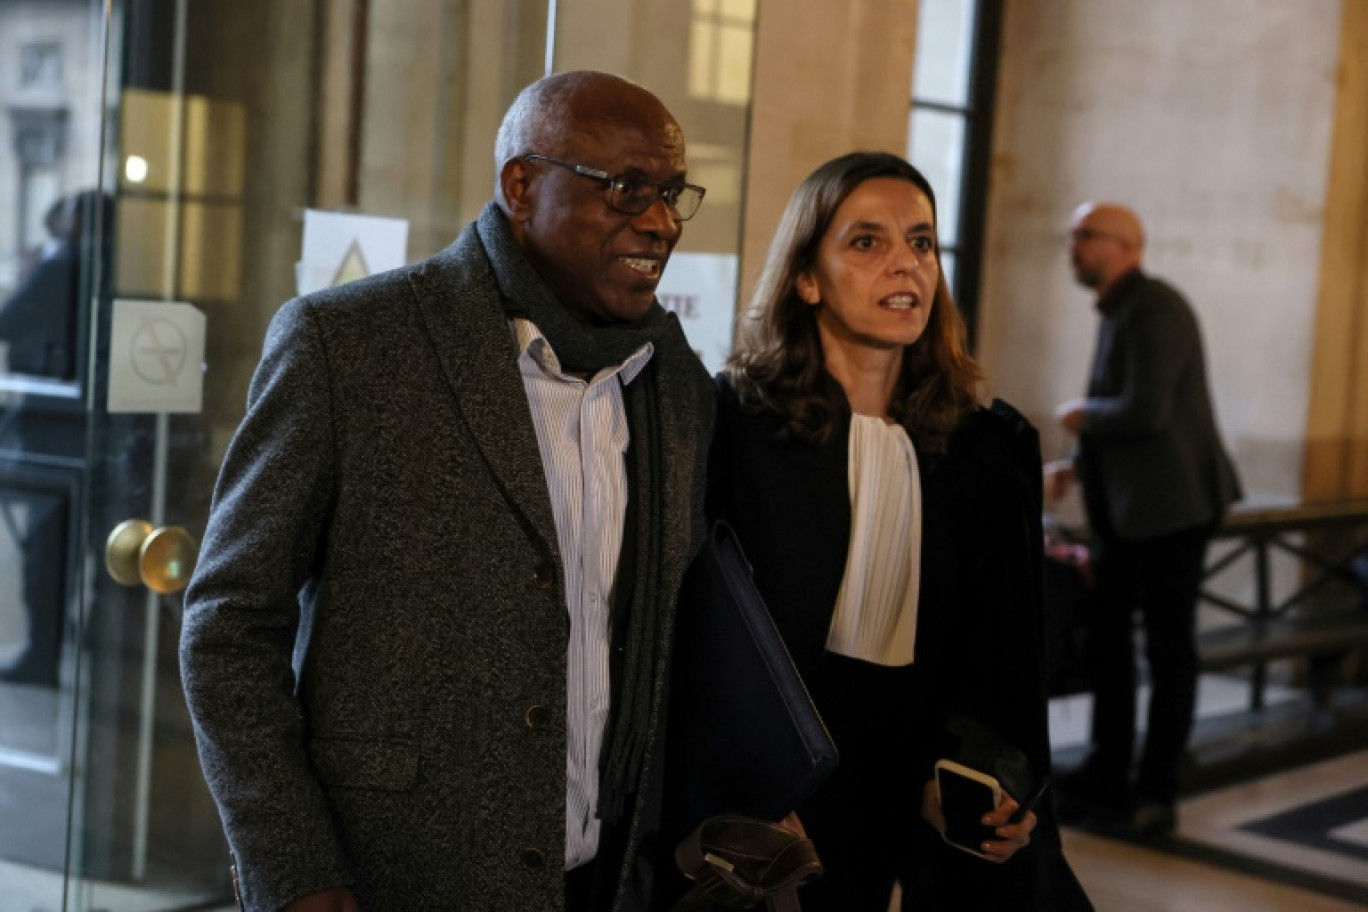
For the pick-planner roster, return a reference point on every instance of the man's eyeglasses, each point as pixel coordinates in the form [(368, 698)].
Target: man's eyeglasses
[(1083, 235), (634, 195)]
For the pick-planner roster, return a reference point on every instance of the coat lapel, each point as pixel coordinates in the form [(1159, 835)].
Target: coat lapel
[(459, 300)]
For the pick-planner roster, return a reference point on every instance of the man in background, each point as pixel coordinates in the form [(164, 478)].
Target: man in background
[(1156, 482), (39, 321)]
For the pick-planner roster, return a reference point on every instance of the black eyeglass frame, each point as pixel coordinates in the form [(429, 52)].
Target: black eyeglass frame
[(672, 194), (1084, 235)]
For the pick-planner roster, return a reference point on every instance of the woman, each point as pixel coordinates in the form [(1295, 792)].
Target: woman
[(893, 525)]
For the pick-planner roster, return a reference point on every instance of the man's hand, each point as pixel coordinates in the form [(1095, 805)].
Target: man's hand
[(333, 899), (1072, 414), (1011, 836), (1059, 478)]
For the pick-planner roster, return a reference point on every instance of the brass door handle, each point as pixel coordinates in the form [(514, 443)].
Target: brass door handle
[(160, 559)]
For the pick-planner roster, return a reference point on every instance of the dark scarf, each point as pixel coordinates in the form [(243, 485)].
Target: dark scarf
[(638, 624), (578, 346)]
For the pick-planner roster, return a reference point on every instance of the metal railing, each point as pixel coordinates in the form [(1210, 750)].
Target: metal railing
[(1263, 531)]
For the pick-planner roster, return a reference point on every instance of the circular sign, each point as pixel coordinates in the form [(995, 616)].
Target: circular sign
[(158, 351)]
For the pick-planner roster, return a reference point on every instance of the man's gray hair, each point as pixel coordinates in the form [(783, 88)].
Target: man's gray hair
[(521, 128)]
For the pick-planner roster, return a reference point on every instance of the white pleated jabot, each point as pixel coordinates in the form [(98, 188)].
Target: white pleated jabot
[(876, 610)]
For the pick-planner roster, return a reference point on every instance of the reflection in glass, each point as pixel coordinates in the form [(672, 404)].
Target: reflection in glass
[(721, 48), (49, 221), (705, 81), (40, 321), (40, 64)]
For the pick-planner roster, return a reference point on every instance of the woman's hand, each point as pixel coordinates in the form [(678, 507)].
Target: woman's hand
[(1011, 836)]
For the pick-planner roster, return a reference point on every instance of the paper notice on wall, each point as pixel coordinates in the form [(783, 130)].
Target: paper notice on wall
[(156, 357), (700, 288), (340, 248)]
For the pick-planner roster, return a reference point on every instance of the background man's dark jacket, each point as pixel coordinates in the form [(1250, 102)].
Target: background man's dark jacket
[(1150, 457)]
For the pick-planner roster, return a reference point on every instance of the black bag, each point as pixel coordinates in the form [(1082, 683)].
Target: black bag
[(744, 737), (745, 745), (740, 862)]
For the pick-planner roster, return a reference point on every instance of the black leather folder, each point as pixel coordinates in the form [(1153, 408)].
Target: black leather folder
[(744, 736)]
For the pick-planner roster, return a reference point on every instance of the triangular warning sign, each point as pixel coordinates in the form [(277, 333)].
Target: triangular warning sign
[(353, 265)]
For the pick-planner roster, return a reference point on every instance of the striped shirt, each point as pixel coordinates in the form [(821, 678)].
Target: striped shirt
[(582, 434), (876, 610)]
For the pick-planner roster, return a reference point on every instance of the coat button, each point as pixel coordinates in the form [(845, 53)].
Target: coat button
[(535, 717), (546, 575), (534, 859)]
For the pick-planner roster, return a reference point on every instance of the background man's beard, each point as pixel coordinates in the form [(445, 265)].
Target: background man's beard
[(1088, 278)]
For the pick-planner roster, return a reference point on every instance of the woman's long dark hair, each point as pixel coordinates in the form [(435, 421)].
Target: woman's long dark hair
[(777, 364)]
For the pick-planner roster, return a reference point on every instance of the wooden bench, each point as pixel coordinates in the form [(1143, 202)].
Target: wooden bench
[(1325, 631)]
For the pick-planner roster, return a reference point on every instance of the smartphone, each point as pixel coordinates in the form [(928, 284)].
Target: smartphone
[(965, 796)]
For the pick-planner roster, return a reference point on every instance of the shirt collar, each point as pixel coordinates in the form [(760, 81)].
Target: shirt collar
[(1108, 303), (536, 346)]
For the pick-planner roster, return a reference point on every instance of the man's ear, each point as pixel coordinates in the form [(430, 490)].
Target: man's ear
[(515, 180)]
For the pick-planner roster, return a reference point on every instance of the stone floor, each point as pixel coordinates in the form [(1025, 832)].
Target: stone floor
[(1296, 839)]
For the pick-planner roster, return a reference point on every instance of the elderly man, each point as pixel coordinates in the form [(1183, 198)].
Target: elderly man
[(1156, 481), (426, 648)]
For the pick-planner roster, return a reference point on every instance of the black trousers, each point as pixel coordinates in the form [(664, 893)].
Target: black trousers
[(865, 842), (591, 886), (1160, 578), (865, 819), (582, 888)]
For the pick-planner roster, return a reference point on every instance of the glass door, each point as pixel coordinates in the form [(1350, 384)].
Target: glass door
[(51, 209), (157, 158), (154, 164), (157, 161), (104, 481)]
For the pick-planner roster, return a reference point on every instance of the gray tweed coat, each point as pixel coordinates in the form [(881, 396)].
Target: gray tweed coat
[(374, 649)]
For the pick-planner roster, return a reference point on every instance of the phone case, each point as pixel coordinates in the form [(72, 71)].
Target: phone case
[(966, 795)]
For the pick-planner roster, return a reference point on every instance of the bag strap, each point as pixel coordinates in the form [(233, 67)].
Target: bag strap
[(739, 862)]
